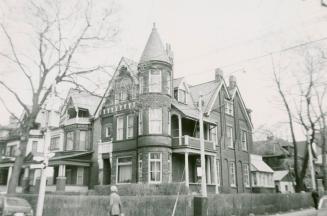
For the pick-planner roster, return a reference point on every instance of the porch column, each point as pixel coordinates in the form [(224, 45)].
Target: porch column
[(9, 176), (25, 183), (76, 110), (61, 179), (180, 129), (208, 169), (187, 183), (215, 173)]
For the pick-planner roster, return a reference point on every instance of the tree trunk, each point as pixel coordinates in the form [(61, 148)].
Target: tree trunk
[(19, 160), (324, 168)]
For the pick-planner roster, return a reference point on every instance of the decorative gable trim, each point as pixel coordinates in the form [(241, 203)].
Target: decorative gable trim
[(215, 96), (243, 106)]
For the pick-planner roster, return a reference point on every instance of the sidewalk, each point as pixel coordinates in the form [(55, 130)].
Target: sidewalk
[(304, 212)]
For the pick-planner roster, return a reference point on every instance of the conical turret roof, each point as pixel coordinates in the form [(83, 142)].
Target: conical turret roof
[(154, 48)]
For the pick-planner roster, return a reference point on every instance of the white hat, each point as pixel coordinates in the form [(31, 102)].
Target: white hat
[(114, 189)]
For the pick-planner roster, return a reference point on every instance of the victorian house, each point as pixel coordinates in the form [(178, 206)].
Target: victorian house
[(146, 128)]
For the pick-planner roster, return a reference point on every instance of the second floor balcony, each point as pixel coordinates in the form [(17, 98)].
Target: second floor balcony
[(77, 120), (192, 142)]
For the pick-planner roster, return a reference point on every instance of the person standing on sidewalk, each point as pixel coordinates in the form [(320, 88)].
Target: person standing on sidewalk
[(315, 197), (115, 206)]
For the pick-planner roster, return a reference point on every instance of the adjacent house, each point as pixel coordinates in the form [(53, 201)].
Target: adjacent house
[(262, 175), (284, 181)]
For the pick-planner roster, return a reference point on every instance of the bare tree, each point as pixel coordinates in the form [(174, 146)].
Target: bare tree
[(61, 32), (301, 105)]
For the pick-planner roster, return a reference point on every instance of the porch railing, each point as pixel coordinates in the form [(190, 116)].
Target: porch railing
[(192, 142), (77, 120)]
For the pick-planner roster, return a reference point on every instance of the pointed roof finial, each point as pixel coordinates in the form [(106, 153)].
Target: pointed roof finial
[(154, 48)]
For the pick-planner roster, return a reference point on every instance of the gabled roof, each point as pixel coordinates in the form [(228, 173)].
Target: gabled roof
[(257, 164), (270, 147), (233, 92), (280, 175), (131, 67), (82, 99), (154, 48)]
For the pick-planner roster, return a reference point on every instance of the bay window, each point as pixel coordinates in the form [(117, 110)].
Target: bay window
[(155, 81), (82, 140), (70, 140), (124, 170), (155, 167), (140, 123), (155, 120), (168, 84), (120, 128), (130, 124)]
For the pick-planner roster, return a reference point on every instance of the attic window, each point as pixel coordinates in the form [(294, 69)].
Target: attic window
[(229, 107), (180, 95), (83, 113)]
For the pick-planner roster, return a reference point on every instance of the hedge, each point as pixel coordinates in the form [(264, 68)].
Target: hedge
[(144, 189), (222, 204)]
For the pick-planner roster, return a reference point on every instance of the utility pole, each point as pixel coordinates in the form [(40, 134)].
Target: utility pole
[(312, 170), (203, 166), (47, 138)]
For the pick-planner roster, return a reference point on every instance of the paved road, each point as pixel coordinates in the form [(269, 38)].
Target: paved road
[(306, 212)]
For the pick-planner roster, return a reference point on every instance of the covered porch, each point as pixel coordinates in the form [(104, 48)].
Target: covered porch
[(187, 168)]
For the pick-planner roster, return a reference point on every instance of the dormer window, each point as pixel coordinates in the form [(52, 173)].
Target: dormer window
[(155, 81), (229, 107), (180, 95)]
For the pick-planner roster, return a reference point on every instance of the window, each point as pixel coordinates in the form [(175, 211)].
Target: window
[(34, 146), (116, 97), (82, 140), (120, 128), (141, 87), (155, 81), (124, 169), (286, 187), (140, 122), (140, 167), (229, 135), (169, 124), (54, 143), (182, 96), (155, 167), (123, 95), (213, 134), (108, 130), (80, 176), (169, 167), (168, 84), (218, 172), (229, 107), (246, 175), (70, 140), (254, 179), (244, 141), (232, 176), (155, 121), (130, 124)]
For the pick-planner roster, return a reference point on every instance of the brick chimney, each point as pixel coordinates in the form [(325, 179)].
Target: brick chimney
[(232, 81), (219, 74)]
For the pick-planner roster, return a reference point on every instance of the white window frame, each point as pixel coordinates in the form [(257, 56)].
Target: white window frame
[(35, 142), (73, 137), (246, 175), (141, 86), (130, 163), (107, 132), (85, 140), (140, 127), (230, 141), (56, 147), (213, 134), (218, 172), (229, 107), (244, 141), (182, 92), (168, 79), (80, 173), (149, 165), (140, 168), (130, 129), (155, 87), (152, 118), (232, 174), (120, 128)]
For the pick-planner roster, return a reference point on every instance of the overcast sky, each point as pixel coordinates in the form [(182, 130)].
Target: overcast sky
[(208, 34)]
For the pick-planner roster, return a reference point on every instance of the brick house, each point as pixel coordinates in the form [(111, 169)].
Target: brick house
[(146, 128)]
